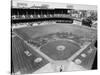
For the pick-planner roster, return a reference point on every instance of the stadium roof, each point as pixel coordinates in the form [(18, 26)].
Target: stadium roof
[(28, 4)]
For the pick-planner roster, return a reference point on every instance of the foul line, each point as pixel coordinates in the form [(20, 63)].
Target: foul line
[(36, 50), (78, 52)]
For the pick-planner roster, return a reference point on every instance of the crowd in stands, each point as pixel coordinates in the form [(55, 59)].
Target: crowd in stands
[(81, 17), (87, 17)]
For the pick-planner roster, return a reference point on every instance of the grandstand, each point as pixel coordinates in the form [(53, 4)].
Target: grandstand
[(28, 16), (34, 15)]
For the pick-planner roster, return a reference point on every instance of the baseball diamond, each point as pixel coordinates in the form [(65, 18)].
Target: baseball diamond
[(58, 42)]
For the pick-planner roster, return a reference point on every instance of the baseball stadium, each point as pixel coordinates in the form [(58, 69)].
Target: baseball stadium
[(45, 39)]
